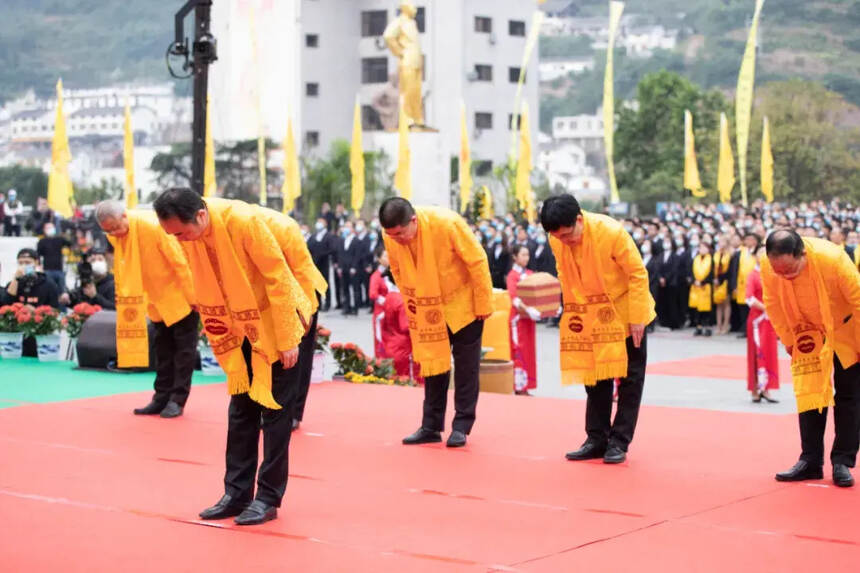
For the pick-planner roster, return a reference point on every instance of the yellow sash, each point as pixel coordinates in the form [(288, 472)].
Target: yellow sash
[(592, 337), (132, 340), (423, 300), (812, 354), (227, 324), (700, 296), (721, 267), (746, 264)]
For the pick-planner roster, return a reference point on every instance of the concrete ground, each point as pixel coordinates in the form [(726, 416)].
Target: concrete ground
[(725, 393)]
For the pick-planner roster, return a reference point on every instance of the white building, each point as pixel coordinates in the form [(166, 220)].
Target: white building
[(314, 56), (554, 69), (585, 131)]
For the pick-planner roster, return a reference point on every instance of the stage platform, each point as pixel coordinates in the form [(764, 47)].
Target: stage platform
[(87, 486)]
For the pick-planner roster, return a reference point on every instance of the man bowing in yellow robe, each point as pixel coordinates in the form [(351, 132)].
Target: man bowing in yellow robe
[(255, 315), (812, 296), (152, 278), (443, 273), (607, 304)]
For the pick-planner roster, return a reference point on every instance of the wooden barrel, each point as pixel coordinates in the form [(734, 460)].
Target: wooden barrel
[(497, 376)]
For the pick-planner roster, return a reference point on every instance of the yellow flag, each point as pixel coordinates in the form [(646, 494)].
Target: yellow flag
[(261, 163), (128, 161), (292, 187), (744, 100), (465, 161), (531, 41), (691, 167), (487, 208), (522, 184), (766, 163), (615, 11), (356, 160), (209, 185), (59, 182), (726, 167), (403, 176)]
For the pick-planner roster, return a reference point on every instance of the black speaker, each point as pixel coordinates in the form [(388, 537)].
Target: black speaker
[(97, 343)]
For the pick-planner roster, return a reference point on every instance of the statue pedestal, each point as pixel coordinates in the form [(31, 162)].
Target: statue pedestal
[(430, 163)]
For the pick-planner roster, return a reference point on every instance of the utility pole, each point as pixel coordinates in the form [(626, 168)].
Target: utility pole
[(196, 63)]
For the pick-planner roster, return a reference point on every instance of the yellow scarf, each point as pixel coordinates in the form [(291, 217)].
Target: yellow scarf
[(721, 267), (700, 296), (132, 339), (812, 353), (857, 256), (592, 335), (427, 327), (227, 324), (745, 267)]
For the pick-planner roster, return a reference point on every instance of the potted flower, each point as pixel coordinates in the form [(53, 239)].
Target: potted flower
[(208, 363), (43, 323), (321, 346), (73, 323), (11, 337)]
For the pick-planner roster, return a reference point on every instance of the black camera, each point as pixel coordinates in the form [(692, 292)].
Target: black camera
[(85, 274)]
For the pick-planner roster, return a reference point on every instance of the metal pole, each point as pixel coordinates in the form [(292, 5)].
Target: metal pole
[(201, 84)]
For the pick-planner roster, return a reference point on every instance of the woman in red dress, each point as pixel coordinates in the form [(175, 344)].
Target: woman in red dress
[(394, 326), (377, 291), (762, 357), (523, 318)]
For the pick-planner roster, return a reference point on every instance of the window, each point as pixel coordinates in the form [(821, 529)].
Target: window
[(374, 70), (370, 120), (373, 22), (312, 41), (482, 168), (514, 75), (511, 118), (484, 72), (312, 138), (483, 25), (516, 28), (312, 89), (483, 120), (420, 19)]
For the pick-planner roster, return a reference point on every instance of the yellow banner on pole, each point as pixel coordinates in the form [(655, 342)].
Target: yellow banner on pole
[(615, 11), (128, 160), (691, 167), (59, 182), (744, 100), (292, 186), (465, 170), (766, 163), (531, 41), (356, 161), (726, 166), (209, 185)]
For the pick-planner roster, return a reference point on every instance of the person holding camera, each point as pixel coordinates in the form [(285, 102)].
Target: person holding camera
[(95, 283), (30, 286)]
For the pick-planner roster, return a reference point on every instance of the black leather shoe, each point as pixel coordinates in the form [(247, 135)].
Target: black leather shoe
[(614, 455), (842, 476), (256, 513), (226, 507), (423, 436), (589, 451), (801, 471), (457, 439), (296, 424), (150, 409), (172, 410)]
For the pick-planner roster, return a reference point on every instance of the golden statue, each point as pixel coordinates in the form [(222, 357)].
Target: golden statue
[(401, 37)]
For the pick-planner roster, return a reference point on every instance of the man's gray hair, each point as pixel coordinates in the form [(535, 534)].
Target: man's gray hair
[(110, 209)]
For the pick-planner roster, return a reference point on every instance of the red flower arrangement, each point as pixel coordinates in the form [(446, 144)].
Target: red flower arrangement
[(357, 367), (323, 338), (9, 317), (74, 321), (39, 321)]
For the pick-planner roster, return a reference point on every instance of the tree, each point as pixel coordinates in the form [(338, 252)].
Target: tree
[(29, 182), (649, 139), (106, 189)]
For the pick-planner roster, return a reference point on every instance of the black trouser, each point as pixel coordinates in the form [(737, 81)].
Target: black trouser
[(846, 416), (245, 419), (466, 348), (306, 366), (176, 357), (702, 319), (598, 408), (350, 283), (742, 313), (338, 289)]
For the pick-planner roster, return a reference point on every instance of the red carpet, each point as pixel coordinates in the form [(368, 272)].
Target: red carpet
[(86, 486), (727, 366)]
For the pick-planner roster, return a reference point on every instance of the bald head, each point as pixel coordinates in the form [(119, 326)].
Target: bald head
[(786, 253)]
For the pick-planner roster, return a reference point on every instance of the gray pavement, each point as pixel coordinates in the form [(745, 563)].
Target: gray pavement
[(660, 390)]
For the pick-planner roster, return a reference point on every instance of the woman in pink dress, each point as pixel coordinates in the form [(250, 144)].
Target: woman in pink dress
[(376, 292), (762, 357), (523, 318)]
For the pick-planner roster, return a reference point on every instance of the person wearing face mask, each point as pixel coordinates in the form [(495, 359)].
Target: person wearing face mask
[(98, 289), (322, 246), (349, 259), (365, 264), (670, 280), (30, 286), (13, 213), (543, 260), (701, 298), (377, 292), (50, 250), (522, 331), (652, 265), (500, 259)]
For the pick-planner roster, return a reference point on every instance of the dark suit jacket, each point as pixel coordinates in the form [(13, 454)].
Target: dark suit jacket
[(322, 251), (349, 258), (499, 266), (543, 261), (653, 266)]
